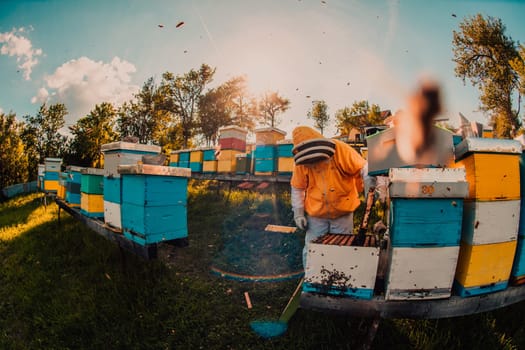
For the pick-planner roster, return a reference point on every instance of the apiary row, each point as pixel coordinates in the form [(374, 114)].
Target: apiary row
[(453, 230), (147, 203)]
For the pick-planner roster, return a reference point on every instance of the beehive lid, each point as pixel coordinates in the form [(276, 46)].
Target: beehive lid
[(428, 183), (146, 169), (92, 171), (74, 168), (233, 127), (129, 146), (269, 129), (486, 145)]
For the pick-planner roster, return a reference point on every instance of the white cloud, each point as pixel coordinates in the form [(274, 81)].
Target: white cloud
[(83, 83), (14, 44)]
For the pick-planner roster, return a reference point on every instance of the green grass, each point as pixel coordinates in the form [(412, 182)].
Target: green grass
[(62, 286)]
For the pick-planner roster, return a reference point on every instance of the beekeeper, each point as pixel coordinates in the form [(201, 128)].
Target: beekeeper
[(325, 185)]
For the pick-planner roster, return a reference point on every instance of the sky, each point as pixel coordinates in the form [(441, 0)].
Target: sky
[(85, 52)]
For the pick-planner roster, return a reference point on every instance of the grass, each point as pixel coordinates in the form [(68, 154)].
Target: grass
[(63, 286)]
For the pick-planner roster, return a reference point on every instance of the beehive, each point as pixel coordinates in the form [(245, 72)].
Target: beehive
[(184, 158), (285, 160), (116, 154), (243, 163), (382, 153), (174, 158), (209, 166), (92, 192), (52, 174), (265, 158), (268, 136), (62, 180), (154, 200), (74, 179), (492, 167), (232, 131), (425, 231), (227, 161), (335, 267), (484, 268), (208, 154), (53, 164), (41, 173)]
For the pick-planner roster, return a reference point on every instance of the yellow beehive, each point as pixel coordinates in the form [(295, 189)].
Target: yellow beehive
[(492, 176), (196, 156), (50, 185), (209, 166), (285, 164), (226, 166), (228, 154), (492, 167), (484, 264), (61, 190), (92, 204)]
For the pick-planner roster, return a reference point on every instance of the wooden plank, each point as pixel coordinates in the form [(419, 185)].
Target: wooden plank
[(421, 309), (147, 252), (279, 228)]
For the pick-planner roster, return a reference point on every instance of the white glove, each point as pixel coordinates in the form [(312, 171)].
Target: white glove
[(300, 219)]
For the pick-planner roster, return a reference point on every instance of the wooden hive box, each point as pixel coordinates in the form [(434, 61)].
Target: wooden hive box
[(268, 136), (426, 206), (92, 181), (285, 165), (208, 154), (492, 167), (382, 151), (74, 179), (233, 131), (174, 158), (52, 164), (124, 153), (243, 163), (421, 273), (490, 221), (92, 205), (284, 149), (483, 268), (154, 201), (232, 143), (209, 166), (339, 269)]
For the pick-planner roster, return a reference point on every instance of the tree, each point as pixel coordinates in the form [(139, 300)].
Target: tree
[(483, 54), (240, 104), (41, 135), (90, 133), (319, 113), (144, 117), (213, 113), (518, 64), (359, 115), (269, 106), (181, 95), (13, 159)]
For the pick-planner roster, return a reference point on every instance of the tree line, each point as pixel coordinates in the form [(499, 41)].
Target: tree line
[(181, 111)]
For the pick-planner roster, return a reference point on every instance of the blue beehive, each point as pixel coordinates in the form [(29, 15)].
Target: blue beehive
[(265, 158), (425, 231), (154, 200), (74, 177), (116, 154)]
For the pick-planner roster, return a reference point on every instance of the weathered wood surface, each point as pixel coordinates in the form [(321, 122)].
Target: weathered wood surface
[(417, 309)]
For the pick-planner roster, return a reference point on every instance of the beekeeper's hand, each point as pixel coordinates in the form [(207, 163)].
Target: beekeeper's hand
[(300, 219)]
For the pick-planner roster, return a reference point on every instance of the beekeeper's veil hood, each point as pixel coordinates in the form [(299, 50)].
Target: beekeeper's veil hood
[(310, 146)]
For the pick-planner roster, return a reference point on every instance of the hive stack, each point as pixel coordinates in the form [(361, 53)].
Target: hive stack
[(209, 162), (62, 181), (174, 158), (518, 267), (491, 214), (184, 158), (74, 179), (265, 159), (285, 161), (196, 160), (41, 174), (52, 174), (232, 141), (154, 201), (115, 154), (92, 192), (425, 231)]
